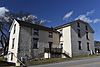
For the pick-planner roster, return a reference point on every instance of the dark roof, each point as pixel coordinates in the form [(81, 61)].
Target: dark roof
[(36, 26), (69, 24)]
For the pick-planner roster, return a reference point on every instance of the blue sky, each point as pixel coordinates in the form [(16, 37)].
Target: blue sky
[(59, 11)]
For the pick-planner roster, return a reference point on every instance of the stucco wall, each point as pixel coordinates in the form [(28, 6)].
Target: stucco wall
[(25, 44), (75, 39)]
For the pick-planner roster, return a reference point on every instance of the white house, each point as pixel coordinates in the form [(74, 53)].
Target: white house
[(76, 38), (29, 41)]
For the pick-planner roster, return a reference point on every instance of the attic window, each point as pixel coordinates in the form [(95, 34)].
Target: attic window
[(14, 29)]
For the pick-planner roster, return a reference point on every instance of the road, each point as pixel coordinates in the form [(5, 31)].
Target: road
[(86, 62)]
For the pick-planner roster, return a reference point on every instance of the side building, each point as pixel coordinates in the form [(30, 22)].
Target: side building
[(76, 38), (29, 41)]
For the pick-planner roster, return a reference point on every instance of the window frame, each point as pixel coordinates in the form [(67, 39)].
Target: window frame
[(79, 45), (14, 29), (79, 33), (88, 46), (11, 56), (87, 35), (35, 43), (13, 42), (50, 34), (36, 32), (78, 24)]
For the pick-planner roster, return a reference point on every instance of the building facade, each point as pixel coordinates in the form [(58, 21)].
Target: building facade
[(29, 41), (76, 38)]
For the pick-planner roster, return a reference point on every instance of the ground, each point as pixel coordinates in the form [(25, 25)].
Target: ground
[(84, 62)]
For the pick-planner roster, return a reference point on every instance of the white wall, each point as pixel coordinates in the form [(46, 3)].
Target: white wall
[(66, 40), (16, 36)]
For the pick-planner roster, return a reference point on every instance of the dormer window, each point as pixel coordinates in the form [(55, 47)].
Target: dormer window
[(14, 29)]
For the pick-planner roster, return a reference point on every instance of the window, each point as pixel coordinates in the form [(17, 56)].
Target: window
[(86, 27), (35, 43), (88, 49), (87, 37), (14, 29), (13, 43), (78, 24), (79, 34), (80, 45), (61, 33), (51, 34), (11, 56), (36, 32), (61, 45), (50, 46)]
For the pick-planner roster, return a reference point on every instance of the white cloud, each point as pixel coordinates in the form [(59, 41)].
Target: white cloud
[(96, 20), (3, 10), (68, 15), (90, 12), (85, 17)]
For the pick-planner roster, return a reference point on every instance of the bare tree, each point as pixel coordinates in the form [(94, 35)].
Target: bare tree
[(6, 21)]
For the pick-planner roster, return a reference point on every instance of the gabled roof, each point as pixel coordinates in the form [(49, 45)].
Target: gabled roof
[(70, 23), (36, 26)]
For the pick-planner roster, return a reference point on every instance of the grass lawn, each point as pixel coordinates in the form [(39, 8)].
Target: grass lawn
[(4, 63), (46, 61), (56, 60), (2, 59)]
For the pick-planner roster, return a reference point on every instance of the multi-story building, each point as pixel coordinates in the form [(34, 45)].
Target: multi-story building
[(31, 41), (76, 38)]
